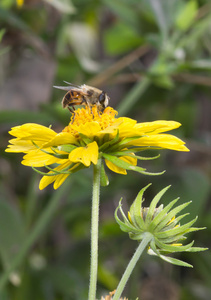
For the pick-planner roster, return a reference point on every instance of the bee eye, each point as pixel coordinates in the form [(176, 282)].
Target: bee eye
[(102, 97)]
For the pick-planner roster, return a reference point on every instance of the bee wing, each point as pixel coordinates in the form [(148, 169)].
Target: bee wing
[(65, 88), (73, 85), (68, 88)]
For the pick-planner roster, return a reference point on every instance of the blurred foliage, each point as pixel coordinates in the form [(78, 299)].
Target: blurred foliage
[(153, 58)]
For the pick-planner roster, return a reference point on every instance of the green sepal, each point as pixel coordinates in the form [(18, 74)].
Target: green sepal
[(139, 170), (108, 144), (55, 154), (167, 218), (161, 215), (153, 205), (85, 139), (67, 148), (43, 173), (125, 226), (118, 162), (175, 222), (122, 143), (128, 153), (172, 248), (180, 229), (54, 172), (175, 261), (196, 249), (64, 171), (104, 181), (127, 166), (173, 239), (136, 209), (147, 158), (136, 236)]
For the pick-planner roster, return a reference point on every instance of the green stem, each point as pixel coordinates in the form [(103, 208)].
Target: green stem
[(133, 96), (33, 236), (146, 239), (94, 231)]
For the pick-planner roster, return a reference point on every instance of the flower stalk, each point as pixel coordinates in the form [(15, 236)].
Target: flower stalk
[(94, 230), (136, 256)]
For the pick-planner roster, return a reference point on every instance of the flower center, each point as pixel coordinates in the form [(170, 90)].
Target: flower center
[(87, 115)]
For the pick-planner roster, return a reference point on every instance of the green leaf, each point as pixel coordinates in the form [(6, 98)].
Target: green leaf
[(164, 81), (14, 116), (106, 277), (124, 10), (159, 13), (115, 37), (2, 32), (12, 232), (63, 6), (187, 15)]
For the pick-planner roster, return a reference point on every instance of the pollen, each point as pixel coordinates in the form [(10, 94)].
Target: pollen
[(86, 115)]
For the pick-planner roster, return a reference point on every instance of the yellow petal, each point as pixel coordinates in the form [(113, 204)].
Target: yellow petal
[(166, 141), (61, 139), (31, 131), (116, 169), (89, 129), (20, 146), (85, 155), (46, 180), (156, 127), (37, 158), (130, 160), (126, 128), (59, 180)]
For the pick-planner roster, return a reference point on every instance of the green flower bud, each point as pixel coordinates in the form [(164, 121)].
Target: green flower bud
[(162, 223)]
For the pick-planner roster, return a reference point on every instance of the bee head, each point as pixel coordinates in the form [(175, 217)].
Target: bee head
[(104, 99)]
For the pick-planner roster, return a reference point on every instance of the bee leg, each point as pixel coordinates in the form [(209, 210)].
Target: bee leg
[(72, 111), (87, 105)]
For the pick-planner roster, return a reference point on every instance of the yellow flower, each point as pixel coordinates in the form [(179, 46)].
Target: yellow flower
[(20, 3), (89, 136)]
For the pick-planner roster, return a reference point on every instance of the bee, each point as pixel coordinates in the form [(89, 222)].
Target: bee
[(83, 95)]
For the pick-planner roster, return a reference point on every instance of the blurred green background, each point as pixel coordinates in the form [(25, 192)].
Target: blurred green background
[(153, 59)]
